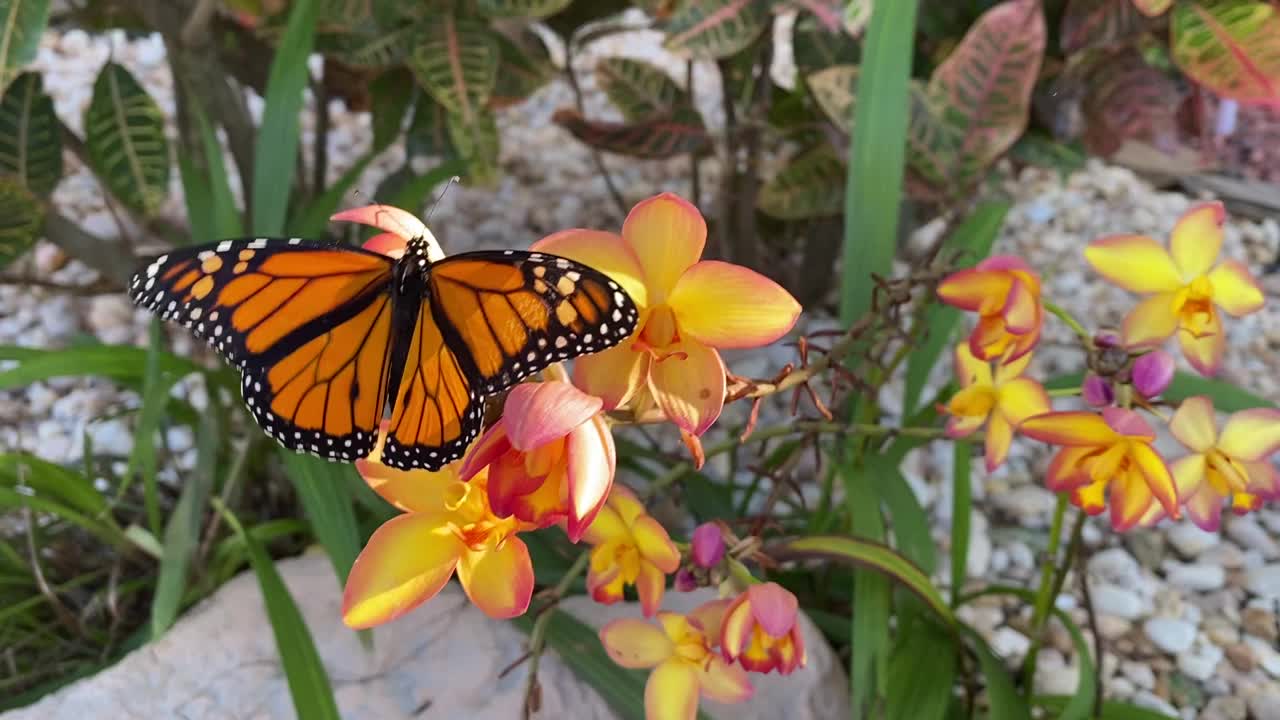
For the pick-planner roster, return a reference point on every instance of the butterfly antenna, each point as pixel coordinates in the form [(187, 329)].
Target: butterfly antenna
[(440, 197)]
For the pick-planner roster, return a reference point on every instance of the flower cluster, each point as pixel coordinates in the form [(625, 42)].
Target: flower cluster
[(550, 461), (1107, 458)]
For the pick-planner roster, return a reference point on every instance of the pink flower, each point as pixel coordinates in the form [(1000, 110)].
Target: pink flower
[(761, 630), (707, 546), (550, 457)]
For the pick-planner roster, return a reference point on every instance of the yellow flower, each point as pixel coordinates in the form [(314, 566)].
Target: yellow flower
[(1185, 288), (682, 654), (629, 548), (1000, 399)]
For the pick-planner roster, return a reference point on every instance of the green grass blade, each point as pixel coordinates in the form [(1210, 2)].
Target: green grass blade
[(11, 499), (872, 598), (155, 395), (313, 219), (1111, 709), (197, 196), (55, 482), (275, 153), (326, 498), (308, 680), (910, 521), (182, 533), (961, 506), (1006, 703), (224, 217), (877, 154), (117, 362), (921, 673), (973, 239)]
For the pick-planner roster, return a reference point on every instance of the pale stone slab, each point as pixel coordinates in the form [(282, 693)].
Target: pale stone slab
[(440, 662)]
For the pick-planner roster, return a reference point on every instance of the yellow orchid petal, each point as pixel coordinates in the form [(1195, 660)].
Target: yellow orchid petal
[(975, 401), (1091, 497), (1235, 290), (959, 426), (729, 306), (1134, 262), (1151, 321), (999, 438), (710, 616), (1189, 474), (1197, 239), (1066, 470), (970, 370), (666, 234), (404, 564), (1004, 372), (1158, 480), (655, 544), (1251, 435), (604, 251), (1264, 479), (607, 526), (1194, 424), (612, 375), (1130, 497), (1022, 308), (408, 490), (981, 291), (723, 682), (1205, 351), (689, 385), (498, 580), (1074, 428), (591, 460), (634, 643), (627, 505), (1021, 399), (651, 584), (671, 693)]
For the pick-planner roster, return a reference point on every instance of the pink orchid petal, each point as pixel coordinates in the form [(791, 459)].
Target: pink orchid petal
[(389, 244), (508, 484), (387, 218), (591, 460), (537, 413), (614, 375), (492, 444), (1127, 422), (1005, 262), (1205, 352), (1021, 309), (774, 608)]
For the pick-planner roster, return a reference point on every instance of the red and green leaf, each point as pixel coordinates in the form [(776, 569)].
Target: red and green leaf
[(1129, 99), (524, 66), (679, 132), (1100, 23), (1153, 8), (638, 89), (857, 13), (715, 28), (810, 185), (521, 8), (1231, 47), (816, 46), (984, 86), (456, 60)]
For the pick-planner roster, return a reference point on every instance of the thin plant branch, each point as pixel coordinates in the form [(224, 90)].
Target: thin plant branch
[(596, 157)]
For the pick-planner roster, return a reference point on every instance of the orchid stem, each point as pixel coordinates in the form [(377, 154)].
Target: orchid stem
[(538, 636), (1044, 596), (1067, 318), (1064, 392)]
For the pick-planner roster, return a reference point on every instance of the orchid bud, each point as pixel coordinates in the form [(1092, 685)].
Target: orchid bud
[(685, 580), (707, 547), (1152, 373), (1098, 391)]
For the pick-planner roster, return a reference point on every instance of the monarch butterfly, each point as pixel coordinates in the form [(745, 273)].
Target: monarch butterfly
[(328, 337)]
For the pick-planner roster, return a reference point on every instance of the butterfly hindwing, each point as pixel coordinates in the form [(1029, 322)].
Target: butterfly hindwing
[(436, 411), (516, 312), (307, 324)]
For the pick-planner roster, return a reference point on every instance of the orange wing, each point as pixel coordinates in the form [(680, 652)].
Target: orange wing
[(307, 324), (510, 314), (436, 412)]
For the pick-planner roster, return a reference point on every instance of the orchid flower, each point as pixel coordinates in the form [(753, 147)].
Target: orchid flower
[(1001, 399), (446, 525), (1106, 458), (550, 457), (1005, 292), (630, 548), (761, 630), (688, 309), (681, 651), (1184, 287)]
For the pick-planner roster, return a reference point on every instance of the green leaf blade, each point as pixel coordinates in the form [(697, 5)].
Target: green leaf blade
[(125, 140), (30, 135)]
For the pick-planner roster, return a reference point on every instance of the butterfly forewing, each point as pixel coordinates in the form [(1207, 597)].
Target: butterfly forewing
[(307, 324), (516, 312)]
